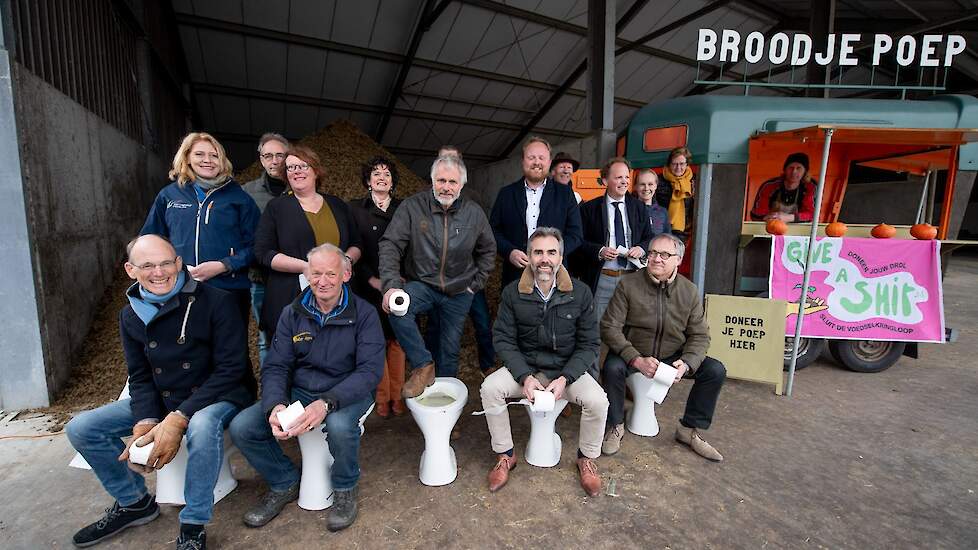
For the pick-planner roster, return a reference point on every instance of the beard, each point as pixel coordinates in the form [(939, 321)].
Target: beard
[(444, 202)]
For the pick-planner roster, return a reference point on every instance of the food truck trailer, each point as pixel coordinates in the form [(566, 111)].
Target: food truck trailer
[(895, 161)]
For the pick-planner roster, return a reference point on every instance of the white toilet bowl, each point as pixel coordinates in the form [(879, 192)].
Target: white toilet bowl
[(641, 419), (543, 448), (170, 478), (315, 485), (438, 465)]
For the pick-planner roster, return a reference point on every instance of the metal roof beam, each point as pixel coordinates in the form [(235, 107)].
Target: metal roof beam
[(247, 93), (319, 43), (414, 152)]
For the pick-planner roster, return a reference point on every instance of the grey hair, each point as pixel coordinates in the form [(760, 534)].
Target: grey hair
[(546, 232), (272, 136), (331, 248), (680, 245), (452, 161)]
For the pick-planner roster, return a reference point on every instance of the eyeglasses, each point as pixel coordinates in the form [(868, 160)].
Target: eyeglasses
[(165, 265), (270, 156), (296, 167), (683, 163), (662, 255)]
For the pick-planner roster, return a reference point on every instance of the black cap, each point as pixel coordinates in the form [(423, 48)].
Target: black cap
[(800, 158), (564, 157)]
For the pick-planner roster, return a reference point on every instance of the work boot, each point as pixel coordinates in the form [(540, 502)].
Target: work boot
[(691, 437), (344, 510), (590, 480), (116, 520), (192, 538), (499, 474), (270, 506), (420, 379), (383, 409), (612, 439), (398, 407)]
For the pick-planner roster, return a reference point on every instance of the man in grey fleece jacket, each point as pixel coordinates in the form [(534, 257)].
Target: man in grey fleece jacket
[(656, 316)]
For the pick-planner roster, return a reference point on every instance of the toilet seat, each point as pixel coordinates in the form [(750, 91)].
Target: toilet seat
[(641, 419), (543, 448), (438, 465)]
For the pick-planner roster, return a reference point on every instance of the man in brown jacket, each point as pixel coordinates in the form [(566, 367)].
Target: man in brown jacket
[(656, 315)]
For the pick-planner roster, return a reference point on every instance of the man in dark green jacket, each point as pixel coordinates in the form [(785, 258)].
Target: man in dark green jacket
[(546, 335), (656, 316)]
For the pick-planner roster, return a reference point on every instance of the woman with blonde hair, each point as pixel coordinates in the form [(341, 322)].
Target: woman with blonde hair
[(677, 190), (209, 219)]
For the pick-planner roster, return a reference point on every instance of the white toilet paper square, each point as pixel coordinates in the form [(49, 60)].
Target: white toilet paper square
[(140, 455), (543, 401), (289, 414), (661, 382)]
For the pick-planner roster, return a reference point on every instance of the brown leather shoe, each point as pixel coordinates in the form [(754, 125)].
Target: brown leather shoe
[(383, 410), (398, 407), (418, 381), (499, 474), (590, 480)]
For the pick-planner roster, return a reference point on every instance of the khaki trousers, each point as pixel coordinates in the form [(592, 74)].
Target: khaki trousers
[(585, 392)]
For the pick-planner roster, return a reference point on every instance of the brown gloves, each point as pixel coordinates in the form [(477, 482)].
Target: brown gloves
[(166, 436), (138, 431)]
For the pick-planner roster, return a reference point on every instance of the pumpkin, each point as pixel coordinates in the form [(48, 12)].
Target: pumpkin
[(776, 227), (836, 229), (883, 231), (923, 231)]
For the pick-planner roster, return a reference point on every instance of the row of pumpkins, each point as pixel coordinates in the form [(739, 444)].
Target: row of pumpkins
[(922, 231)]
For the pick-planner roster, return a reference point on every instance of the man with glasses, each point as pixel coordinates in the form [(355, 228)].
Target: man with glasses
[(616, 234), (188, 375), (272, 150), (656, 316)]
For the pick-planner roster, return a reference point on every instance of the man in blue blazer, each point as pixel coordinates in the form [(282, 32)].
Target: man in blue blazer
[(530, 202)]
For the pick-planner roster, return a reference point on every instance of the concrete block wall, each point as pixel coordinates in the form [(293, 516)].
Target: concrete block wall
[(87, 187)]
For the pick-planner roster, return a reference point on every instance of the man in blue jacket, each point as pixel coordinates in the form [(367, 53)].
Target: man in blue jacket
[(530, 202), (188, 374), (328, 354)]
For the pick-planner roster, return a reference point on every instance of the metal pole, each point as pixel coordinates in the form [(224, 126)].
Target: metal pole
[(923, 198), (702, 226), (808, 261)]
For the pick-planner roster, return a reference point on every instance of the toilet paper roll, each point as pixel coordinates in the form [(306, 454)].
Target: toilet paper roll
[(140, 455), (289, 414), (399, 303), (661, 382), (543, 401)]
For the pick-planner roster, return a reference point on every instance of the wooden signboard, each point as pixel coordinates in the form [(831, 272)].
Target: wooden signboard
[(747, 336)]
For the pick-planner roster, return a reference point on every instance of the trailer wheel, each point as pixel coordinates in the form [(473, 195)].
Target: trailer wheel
[(866, 355), (808, 351)]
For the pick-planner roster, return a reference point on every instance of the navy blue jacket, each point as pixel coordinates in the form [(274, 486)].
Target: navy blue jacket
[(209, 364), (558, 208), (594, 218), (220, 228), (341, 362)]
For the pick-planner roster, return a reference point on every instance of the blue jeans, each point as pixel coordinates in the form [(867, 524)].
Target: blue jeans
[(257, 299), (253, 436), (481, 322), (97, 436), (451, 311)]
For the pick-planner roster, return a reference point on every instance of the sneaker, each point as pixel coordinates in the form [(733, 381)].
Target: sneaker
[(612, 439), (270, 506), (344, 510), (187, 541), (116, 519), (691, 437)]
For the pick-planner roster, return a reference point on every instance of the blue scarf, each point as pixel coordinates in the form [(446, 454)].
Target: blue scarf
[(309, 304), (148, 304)]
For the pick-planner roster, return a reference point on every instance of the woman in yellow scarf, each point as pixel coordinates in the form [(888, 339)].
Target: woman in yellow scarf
[(680, 178)]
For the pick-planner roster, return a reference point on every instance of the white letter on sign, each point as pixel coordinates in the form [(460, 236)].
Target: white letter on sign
[(955, 45), (881, 44), (928, 50), (826, 58), (754, 47), (845, 49), (777, 51), (706, 45), (801, 49), (906, 50), (729, 46)]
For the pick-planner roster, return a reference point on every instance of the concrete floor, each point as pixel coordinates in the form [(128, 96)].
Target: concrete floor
[(887, 460)]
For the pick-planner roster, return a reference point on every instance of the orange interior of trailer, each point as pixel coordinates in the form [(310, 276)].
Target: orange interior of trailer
[(897, 149)]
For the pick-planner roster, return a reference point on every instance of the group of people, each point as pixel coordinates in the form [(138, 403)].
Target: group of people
[(591, 294)]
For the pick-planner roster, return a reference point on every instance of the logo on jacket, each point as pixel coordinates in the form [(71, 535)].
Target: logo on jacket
[(302, 337), (177, 203)]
